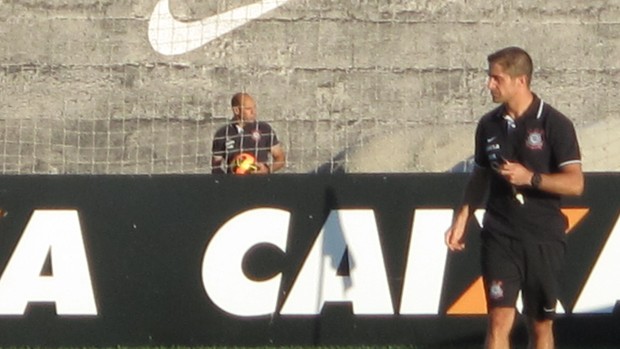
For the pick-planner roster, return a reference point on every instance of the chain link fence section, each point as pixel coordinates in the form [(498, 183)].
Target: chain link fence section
[(90, 87)]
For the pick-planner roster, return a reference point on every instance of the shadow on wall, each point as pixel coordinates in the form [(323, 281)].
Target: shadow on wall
[(335, 165), (466, 165), (600, 148), (450, 148), (429, 148)]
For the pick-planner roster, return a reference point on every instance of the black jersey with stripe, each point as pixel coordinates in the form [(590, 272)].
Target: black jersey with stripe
[(255, 138), (543, 140)]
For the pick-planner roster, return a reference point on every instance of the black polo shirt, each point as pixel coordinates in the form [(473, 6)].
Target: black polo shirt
[(543, 140), (255, 138)]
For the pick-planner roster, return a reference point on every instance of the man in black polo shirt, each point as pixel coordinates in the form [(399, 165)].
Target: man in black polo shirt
[(527, 156), (246, 135)]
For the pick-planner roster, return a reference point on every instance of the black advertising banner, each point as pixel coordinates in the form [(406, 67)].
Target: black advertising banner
[(271, 260)]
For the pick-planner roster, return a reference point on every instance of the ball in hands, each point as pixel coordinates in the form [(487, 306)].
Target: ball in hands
[(244, 163)]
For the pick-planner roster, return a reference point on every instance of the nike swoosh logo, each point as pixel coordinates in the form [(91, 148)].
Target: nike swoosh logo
[(170, 36), (489, 140)]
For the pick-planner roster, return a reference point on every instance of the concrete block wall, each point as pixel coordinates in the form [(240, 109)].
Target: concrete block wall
[(349, 85)]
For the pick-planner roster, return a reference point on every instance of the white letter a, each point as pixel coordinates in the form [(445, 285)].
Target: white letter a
[(57, 232)]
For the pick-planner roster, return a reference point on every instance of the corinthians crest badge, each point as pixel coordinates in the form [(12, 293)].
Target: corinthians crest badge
[(535, 139)]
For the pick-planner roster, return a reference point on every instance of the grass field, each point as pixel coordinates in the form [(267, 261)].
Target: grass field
[(383, 347), (319, 347), (367, 347), (466, 346)]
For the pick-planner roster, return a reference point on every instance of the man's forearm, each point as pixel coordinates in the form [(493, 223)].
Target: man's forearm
[(568, 182), (216, 166)]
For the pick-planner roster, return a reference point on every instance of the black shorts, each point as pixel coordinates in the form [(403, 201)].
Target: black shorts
[(510, 266)]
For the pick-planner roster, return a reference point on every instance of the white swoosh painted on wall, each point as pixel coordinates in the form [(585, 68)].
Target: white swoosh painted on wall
[(170, 36)]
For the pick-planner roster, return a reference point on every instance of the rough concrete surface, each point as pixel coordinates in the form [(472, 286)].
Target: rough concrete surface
[(349, 85)]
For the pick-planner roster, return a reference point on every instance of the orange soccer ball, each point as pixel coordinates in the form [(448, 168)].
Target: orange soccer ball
[(244, 163)]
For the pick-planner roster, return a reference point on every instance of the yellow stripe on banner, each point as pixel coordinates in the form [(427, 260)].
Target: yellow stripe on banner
[(472, 302), (574, 216)]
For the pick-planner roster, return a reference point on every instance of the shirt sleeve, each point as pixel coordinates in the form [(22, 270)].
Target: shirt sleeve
[(268, 131), (218, 147), (565, 146), (480, 157)]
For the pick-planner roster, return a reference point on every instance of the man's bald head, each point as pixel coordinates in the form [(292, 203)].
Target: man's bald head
[(244, 107)]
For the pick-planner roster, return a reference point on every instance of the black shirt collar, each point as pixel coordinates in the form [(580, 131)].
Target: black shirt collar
[(246, 126), (532, 112)]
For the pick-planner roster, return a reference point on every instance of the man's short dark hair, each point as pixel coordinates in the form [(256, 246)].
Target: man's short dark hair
[(515, 61)]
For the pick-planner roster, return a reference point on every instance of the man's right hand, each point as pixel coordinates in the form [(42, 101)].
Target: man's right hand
[(474, 194), (455, 238)]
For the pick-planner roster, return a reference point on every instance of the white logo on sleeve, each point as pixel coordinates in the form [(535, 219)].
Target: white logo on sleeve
[(169, 36), (496, 292)]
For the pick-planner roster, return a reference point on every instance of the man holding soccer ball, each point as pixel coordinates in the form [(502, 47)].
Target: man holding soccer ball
[(244, 146), (527, 157)]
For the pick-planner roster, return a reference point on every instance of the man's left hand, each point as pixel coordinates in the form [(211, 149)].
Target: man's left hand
[(262, 169), (516, 174)]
